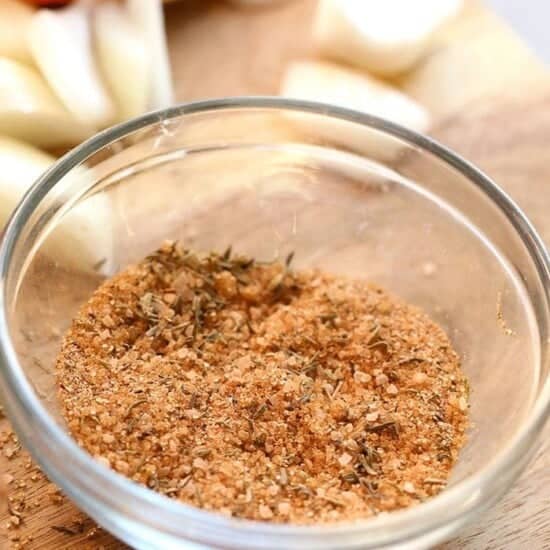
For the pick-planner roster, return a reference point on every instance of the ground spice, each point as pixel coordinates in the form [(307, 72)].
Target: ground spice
[(262, 392)]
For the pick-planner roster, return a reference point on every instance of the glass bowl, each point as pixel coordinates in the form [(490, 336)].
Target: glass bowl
[(347, 192)]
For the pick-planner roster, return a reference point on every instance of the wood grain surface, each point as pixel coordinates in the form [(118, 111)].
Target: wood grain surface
[(509, 141), (218, 50)]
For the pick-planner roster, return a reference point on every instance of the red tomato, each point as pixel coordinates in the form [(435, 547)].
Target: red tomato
[(48, 3)]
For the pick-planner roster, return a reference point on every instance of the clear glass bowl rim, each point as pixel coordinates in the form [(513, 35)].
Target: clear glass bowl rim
[(103, 486)]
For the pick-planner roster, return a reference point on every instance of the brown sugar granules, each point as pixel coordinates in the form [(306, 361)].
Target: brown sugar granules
[(262, 392)]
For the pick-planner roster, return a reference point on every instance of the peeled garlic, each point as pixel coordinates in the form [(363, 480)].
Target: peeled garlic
[(14, 20), (31, 112), (329, 83), (21, 166), (476, 56), (83, 239), (148, 17), (61, 46), (123, 58), (385, 37)]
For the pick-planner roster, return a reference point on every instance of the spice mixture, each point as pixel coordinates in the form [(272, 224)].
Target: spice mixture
[(262, 392)]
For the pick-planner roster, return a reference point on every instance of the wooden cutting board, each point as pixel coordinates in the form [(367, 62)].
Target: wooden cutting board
[(219, 50)]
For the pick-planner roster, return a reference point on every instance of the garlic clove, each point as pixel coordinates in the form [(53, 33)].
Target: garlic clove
[(61, 46), (147, 15), (83, 239), (385, 37), (478, 55), (31, 112), (15, 17), (123, 58), (21, 165), (330, 83)]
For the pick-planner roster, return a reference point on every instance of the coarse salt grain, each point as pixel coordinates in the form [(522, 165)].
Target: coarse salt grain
[(395, 463), (108, 438), (362, 377), (419, 379), (429, 269), (200, 464), (122, 466), (345, 459), (193, 414), (7, 479), (265, 511), (103, 461), (283, 508)]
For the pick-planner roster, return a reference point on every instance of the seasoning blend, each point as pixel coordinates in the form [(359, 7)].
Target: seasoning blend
[(261, 392)]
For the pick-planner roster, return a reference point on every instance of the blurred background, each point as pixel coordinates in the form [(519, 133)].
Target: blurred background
[(472, 74), (529, 20)]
